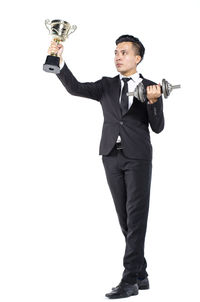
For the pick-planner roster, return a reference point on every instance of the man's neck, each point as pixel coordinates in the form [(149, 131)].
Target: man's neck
[(128, 73)]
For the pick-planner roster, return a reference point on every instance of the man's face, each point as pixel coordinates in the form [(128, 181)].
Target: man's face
[(125, 58)]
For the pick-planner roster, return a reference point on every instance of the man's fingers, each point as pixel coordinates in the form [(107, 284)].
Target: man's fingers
[(159, 88), (153, 88), (54, 49)]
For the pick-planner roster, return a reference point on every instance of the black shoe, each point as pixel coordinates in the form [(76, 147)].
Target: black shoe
[(142, 284), (123, 290)]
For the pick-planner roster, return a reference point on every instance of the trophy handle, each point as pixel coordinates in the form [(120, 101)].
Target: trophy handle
[(47, 22), (72, 29)]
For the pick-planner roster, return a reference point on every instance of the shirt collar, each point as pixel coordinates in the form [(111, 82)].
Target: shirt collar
[(135, 76)]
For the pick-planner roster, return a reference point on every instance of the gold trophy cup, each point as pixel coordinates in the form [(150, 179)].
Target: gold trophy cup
[(60, 31)]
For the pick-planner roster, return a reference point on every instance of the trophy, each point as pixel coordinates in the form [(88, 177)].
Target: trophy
[(60, 31)]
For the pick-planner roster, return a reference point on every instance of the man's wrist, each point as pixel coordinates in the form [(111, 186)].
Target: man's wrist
[(152, 101)]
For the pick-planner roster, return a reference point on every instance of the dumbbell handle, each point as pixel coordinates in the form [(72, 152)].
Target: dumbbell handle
[(172, 87), (176, 86)]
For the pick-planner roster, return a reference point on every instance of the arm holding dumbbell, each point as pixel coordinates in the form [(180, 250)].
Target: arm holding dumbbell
[(155, 108)]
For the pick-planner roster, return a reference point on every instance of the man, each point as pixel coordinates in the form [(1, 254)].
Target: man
[(125, 148)]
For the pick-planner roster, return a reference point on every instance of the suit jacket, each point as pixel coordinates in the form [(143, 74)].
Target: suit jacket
[(133, 126)]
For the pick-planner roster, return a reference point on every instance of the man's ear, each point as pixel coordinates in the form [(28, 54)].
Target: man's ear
[(138, 59)]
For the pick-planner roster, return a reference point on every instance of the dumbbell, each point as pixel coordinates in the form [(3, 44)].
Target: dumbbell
[(140, 92)]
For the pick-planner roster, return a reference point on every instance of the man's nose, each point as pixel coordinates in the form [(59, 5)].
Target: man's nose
[(118, 58)]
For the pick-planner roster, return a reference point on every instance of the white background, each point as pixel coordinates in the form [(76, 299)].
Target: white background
[(59, 233)]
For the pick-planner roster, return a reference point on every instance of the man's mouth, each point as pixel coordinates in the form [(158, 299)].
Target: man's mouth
[(118, 65)]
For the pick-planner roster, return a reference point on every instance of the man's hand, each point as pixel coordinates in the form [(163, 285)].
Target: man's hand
[(57, 49), (153, 93)]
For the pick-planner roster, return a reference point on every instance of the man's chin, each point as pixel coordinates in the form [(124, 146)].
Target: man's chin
[(120, 69)]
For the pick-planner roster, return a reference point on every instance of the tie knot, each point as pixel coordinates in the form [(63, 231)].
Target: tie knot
[(126, 80)]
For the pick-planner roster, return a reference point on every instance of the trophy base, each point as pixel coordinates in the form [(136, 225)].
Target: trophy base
[(52, 64)]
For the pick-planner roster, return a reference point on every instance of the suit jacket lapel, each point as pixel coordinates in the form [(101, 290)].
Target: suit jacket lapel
[(116, 93)]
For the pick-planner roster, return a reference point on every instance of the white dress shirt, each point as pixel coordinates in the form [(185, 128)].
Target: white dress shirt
[(132, 84), (135, 80)]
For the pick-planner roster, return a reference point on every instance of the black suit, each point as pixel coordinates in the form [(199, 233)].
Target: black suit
[(128, 171)]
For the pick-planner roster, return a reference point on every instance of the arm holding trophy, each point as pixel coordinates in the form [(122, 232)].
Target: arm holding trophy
[(91, 90), (55, 64)]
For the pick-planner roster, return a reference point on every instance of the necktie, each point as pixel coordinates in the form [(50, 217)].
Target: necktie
[(124, 97)]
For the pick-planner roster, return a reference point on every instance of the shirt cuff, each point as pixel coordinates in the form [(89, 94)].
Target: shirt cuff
[(62, 64), (152, 103)]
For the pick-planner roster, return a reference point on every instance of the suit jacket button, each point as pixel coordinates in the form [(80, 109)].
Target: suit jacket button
[(121, 123)]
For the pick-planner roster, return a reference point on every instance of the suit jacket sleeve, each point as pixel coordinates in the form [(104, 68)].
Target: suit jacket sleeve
[(92, 90), (156, 115)]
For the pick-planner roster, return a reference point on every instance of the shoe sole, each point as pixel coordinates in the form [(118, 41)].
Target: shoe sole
[(142, 287), (134, 294)]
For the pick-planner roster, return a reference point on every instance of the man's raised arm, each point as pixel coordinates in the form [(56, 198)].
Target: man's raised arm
[(92, 90)]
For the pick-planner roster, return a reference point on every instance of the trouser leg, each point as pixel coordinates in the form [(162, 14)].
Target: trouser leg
[(138, 181), (117, 186), (129, 182)]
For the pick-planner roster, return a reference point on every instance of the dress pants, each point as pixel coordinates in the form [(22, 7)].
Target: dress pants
[(129, 181)]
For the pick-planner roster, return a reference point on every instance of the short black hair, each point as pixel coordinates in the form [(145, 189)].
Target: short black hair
[(139, 47)]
